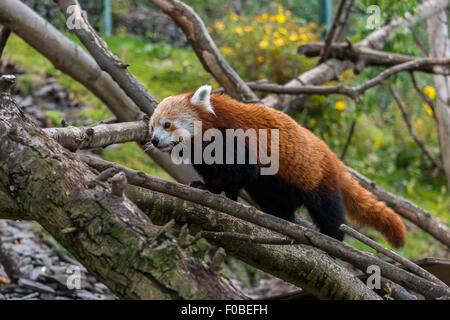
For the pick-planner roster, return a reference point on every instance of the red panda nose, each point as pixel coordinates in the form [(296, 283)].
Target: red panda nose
[(155, 141)]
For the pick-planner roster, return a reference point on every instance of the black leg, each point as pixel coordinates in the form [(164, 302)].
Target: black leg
[(327, 212)]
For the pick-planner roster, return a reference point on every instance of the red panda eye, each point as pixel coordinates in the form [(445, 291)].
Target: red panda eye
[(166, 125)]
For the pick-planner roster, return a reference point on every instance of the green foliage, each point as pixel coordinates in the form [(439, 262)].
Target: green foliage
[(265, 46)]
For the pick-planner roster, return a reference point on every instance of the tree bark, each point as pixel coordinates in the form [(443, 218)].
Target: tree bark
[(338, 249), (71, 59), (440, 47), (108, 233), (302, 265)]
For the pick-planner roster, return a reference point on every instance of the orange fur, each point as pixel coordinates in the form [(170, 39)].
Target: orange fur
[(307, 162)]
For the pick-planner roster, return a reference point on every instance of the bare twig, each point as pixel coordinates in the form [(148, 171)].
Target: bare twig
[(426, 98), (217, 260), (3, 39), (349, 139), (106, 174), (352, 92), (332, 68), (169, 225), (391, 254), (118, 184), (246, 238), (344, 23), (330, 36), (419, 42), (108, 61), (361, 260), (368, 56), (411, 129)]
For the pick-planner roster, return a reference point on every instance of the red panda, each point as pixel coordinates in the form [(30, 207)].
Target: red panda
[(309, 173)]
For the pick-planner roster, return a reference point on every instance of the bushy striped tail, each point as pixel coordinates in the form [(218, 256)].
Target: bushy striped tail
[(365, 209)]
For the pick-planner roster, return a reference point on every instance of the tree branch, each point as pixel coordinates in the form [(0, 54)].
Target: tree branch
[(110, 235), (217, 236), (370, 57), (349, 139), (391, 254), (411, 129), (352, 92), (330, 36), (344, 23), (332, 68), (99, 136), (338, 249), (205, 48), (109, 62), (304, 266)]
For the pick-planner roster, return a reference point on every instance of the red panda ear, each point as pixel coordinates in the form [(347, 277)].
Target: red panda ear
[(202, 97)]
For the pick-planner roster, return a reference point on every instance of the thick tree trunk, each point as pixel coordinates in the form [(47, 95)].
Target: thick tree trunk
[(106, 232), (302, 265), (440, 47)]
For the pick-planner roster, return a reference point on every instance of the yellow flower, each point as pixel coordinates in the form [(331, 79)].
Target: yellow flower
[(249, 29), (234, 17), (215, 85), (267, 31), (428, 109), (276, 35), (263, 44), (377, 142), (293, 37), (312, 122), (340, 105), (280, 18), (260, 59), (239, 31), (303, 37), (312, 25), (283, 31), (265, 16), (261, 76), (279, 42), (430, 92), (227, 50), (219, 25)]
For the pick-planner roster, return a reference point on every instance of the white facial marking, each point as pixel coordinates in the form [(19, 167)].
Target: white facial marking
[(202, 97)]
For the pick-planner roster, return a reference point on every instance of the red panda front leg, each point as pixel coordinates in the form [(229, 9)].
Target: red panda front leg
[(228, 178)]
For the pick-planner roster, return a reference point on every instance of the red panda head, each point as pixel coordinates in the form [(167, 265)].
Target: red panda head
[(174, 119)]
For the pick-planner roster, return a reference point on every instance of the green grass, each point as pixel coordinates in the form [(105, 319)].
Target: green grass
[(168, 71)]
